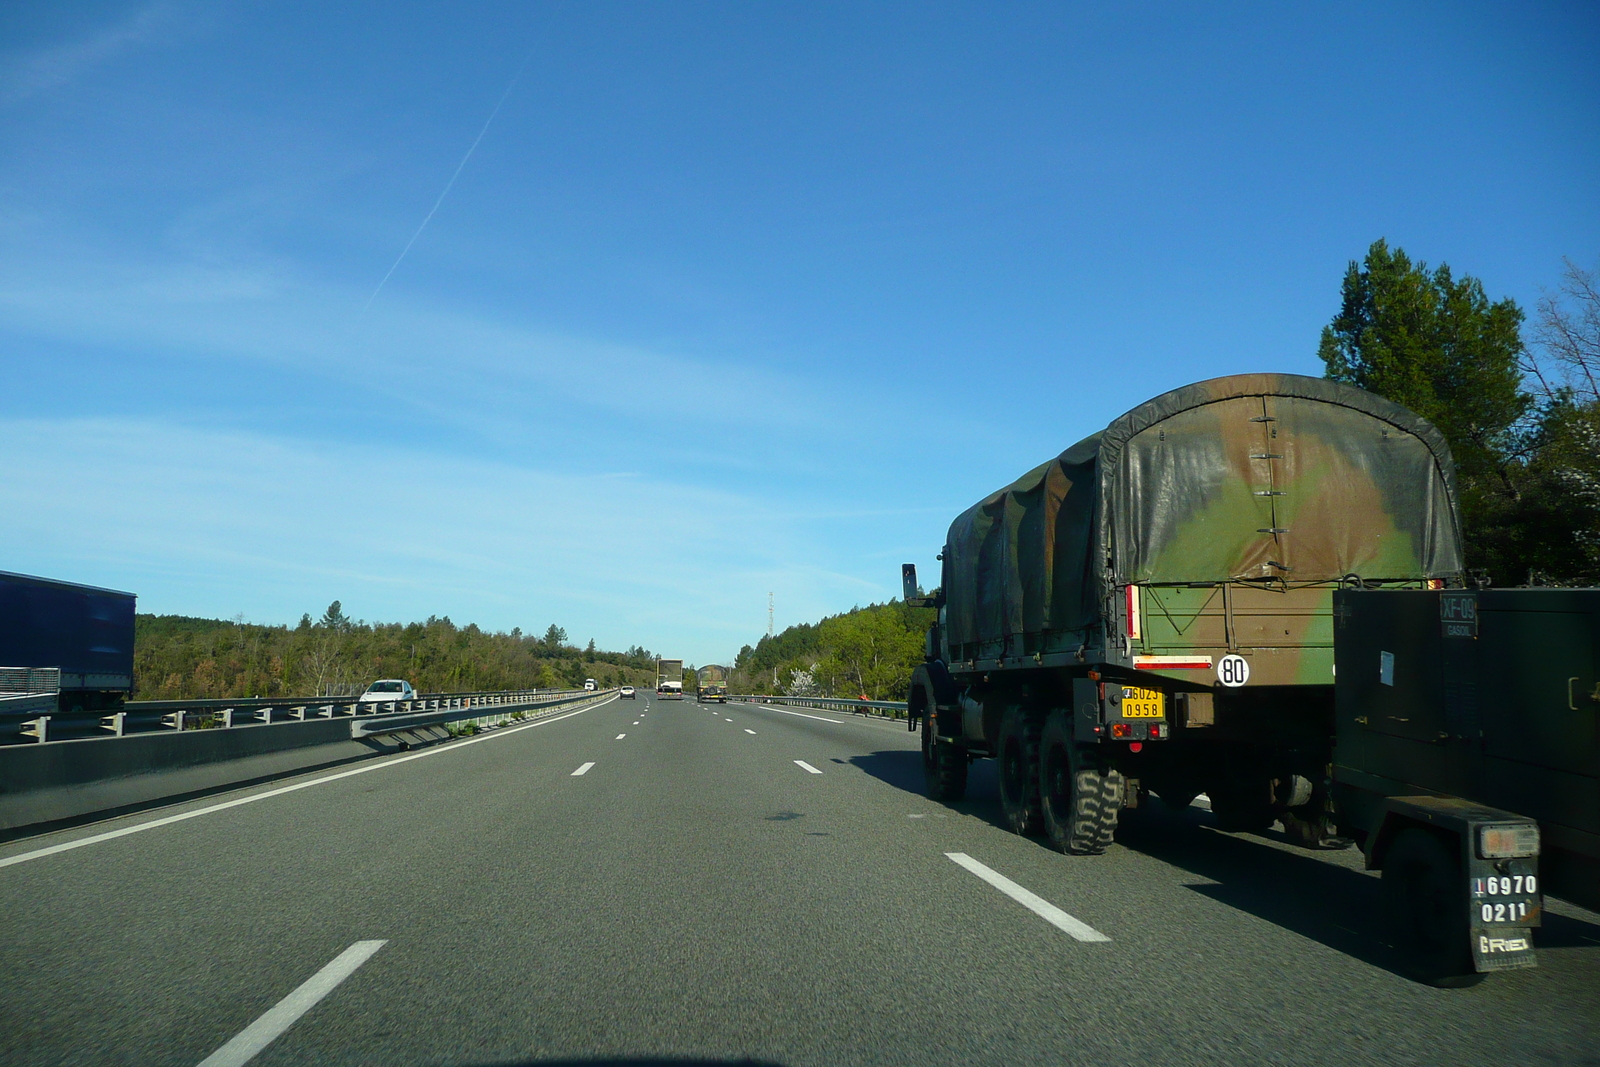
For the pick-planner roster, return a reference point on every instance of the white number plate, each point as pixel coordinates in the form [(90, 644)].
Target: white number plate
[(1497, 897)]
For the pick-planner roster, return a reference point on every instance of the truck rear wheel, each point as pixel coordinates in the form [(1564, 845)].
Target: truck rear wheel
[(1425, 905), (1019, 771), (1079, 799), (944, 764)]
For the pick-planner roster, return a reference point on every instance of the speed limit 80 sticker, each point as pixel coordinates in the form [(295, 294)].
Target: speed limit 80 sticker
[(1233, 671)]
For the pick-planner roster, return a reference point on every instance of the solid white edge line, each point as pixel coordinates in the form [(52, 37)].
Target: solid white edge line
[(803, 715), (803, 765), (1032, 901), (284, 1014), (582, 770), (109, 835)]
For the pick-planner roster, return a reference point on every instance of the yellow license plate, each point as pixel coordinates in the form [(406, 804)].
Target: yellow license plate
[(1140, 703)]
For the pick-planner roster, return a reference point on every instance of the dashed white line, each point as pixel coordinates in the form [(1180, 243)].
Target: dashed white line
[(284, 1014), (582, 770), (748, 730), (1032, 901), (803, 765), (619, 737), (729, 720)]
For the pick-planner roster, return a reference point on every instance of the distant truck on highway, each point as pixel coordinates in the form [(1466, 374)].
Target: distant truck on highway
[(1154, 611), (713, 684), (83, 631), (669, 679)]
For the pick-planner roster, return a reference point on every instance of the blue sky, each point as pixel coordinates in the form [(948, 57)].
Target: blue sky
[(728, 299)]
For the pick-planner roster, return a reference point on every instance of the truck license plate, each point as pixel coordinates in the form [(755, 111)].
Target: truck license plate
[(1140, 703), (1506, 899)]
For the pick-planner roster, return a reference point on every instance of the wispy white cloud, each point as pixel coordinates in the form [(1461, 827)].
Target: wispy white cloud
[(272, 312), (215, 523), (50, 68)]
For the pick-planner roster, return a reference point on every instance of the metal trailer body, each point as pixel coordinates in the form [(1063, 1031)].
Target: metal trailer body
[(1487, 698), (669, 679), (1152, 610), (85, 631)]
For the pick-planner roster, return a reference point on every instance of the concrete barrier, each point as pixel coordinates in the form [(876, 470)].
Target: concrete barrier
[(63, 783), (44, 787)]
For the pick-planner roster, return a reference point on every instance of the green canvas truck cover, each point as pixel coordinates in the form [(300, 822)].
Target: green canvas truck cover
[(1247, 477)]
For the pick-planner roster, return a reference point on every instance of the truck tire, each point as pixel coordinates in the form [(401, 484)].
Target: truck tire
[(944, 763), (1312, 824), (1018, 758), (1425, 906), (1079, 798)]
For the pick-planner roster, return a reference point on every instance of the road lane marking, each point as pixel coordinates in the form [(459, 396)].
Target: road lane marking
[(803, 765), (582, 770), (730, 720), (803, 715), (636, 722), (619, 737), (454, 746), (748, 730), (284, 1014), (1032, 901)]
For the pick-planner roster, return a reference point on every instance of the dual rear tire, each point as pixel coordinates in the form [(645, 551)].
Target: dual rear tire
[(1080, 796), (944, 763)]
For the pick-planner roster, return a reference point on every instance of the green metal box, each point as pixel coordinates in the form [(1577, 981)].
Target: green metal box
[(1487, 695)]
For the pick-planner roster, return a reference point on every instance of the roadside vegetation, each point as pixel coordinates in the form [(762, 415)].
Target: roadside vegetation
[(865, 651), (1521, 413), (176, 657)]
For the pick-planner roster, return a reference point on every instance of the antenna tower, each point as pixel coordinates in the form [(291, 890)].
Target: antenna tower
[(769, 614)]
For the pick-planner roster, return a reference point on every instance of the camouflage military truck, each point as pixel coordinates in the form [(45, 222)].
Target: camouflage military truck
[(1152, 610), (713, 684)]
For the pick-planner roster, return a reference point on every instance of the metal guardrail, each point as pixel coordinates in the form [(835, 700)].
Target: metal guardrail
[(895, 709), (155, 716)]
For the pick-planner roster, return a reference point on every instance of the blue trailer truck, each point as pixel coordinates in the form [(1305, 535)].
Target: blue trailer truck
[(84, 632)]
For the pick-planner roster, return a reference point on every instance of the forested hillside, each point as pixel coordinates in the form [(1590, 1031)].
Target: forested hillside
[(178, 657), (869, 650)]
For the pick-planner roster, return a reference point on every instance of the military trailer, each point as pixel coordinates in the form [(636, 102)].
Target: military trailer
[(1152, 610), (1467, 762)]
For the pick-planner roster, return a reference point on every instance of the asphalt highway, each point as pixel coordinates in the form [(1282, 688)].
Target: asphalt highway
[(646, 881)]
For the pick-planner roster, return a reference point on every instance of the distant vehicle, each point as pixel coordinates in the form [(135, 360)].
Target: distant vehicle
[(588, 685), (669, 679), (713, 681), (84, 632), (627, 691), (387, 689)]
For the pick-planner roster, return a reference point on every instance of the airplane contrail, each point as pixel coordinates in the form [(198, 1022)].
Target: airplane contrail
[(459, 166)]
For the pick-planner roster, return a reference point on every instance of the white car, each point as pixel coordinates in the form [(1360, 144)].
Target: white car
[(626, 691), (387, 689)]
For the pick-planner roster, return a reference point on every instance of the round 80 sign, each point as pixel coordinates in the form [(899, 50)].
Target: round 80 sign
[(1233, 671)]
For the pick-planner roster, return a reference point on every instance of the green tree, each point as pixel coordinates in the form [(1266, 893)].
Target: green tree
[(335, 618), (554, 639), (1439, 347)]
